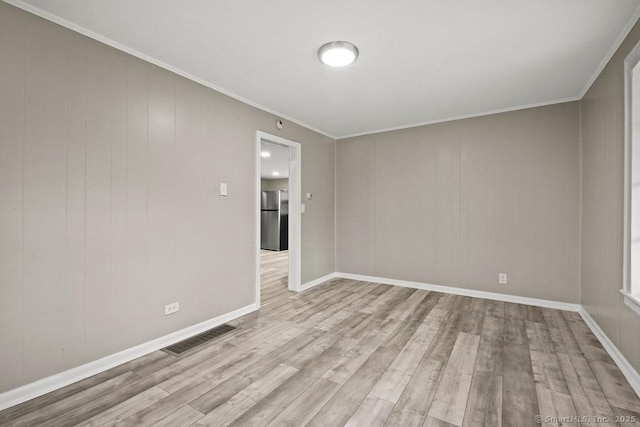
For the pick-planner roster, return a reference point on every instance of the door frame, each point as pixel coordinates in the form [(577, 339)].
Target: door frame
[(295, 215)]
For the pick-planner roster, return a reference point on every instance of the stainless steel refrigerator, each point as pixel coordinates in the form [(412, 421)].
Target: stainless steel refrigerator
[(274, 224)]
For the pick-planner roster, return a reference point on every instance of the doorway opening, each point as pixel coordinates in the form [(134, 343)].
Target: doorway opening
[(278, 218)]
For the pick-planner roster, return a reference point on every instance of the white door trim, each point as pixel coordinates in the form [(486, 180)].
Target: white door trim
[(630, 295), (295, 219)]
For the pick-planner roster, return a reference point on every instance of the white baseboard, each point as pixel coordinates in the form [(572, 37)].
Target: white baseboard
[(623, 364), (54, 382), (465, 292), (625, 367), (317, 281)]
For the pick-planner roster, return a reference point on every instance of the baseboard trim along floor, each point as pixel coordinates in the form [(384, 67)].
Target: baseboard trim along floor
[(625, 367), (623, 364), (54, 382), (46, 385), (317, 281), (464, 292)]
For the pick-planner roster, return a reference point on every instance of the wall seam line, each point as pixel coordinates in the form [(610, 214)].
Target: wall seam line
[(24, 127), (580, 200)]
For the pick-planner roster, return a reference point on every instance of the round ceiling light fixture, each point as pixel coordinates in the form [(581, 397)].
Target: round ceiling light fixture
[(338, 53)]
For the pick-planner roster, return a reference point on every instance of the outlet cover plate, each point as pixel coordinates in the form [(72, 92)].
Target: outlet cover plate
[(171, 308)]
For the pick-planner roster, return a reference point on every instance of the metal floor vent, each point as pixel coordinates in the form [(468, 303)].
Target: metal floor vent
[(195, 341)]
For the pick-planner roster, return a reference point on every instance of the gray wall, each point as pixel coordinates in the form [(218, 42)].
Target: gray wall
[(457, 203), (108, 208), (109, 168), (602, 205), (274, 184)]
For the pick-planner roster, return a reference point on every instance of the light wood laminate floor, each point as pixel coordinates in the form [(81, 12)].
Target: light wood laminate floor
[(360, 354), (274, 276)]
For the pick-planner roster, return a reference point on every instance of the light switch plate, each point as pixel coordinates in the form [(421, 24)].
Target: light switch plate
[(302, 208), (223, 189)]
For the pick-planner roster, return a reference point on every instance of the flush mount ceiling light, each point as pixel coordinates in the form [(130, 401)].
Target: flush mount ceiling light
[(276, 173), (338, 53), (265, 154)]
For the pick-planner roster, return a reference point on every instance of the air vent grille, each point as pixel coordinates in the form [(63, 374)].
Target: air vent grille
[(198, 340)]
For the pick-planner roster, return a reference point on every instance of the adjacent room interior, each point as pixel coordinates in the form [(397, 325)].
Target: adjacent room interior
[(411, 213), (274, 222)]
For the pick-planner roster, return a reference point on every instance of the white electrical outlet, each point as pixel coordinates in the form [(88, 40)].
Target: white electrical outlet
[(171, 308), (502, 278)]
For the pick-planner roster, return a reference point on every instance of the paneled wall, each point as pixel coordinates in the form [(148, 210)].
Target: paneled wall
[(109, 172), (602, 205), (457, 203)]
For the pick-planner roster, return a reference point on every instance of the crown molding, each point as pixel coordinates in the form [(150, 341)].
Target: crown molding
[(614, 48), (126, 49), (466, 116)]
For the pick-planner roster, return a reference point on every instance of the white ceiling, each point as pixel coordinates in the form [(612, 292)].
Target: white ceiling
[(420, 61), (277, 162)]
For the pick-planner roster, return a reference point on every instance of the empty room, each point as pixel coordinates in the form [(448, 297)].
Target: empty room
[(290, 213)]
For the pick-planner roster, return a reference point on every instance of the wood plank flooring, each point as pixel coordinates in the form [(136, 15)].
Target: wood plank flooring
[(360, 354), (274, 276)]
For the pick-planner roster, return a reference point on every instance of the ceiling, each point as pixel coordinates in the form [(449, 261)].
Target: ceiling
[(421, 61), (278, 161)]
